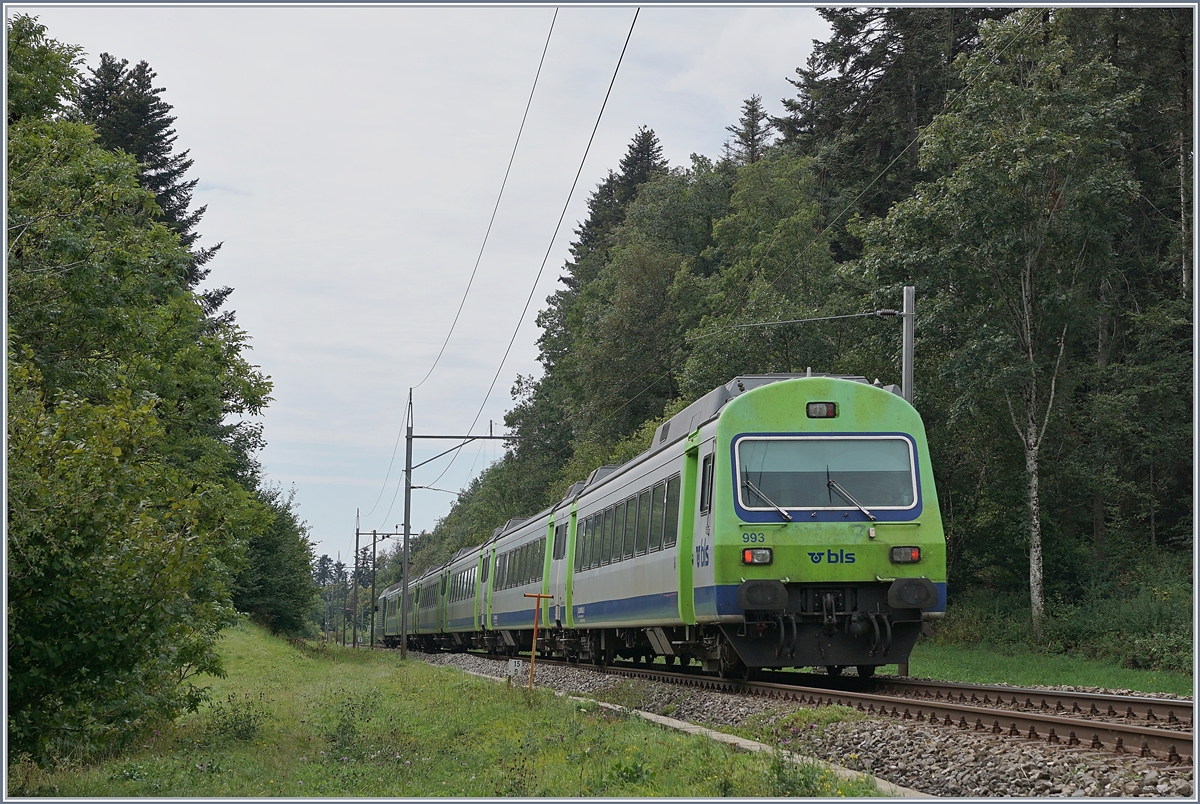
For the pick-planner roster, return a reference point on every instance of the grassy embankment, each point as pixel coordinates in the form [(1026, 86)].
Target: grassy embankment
[(289, 721)]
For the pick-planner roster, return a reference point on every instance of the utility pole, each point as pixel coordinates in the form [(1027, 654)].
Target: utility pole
[(408, 487), (906, 359), (408, 439), (354, 579)]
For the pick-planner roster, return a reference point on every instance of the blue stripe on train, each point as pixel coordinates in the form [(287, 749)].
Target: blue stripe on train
[(662, 606)]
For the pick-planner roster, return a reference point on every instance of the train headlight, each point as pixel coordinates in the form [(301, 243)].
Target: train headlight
[(821, 410), (906, 555), (756, 555)]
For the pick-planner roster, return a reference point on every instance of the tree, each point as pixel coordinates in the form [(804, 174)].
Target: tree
[(276, 587), (129, 115), (752, 133), (863, 97), (127, 521), (1020, 223)]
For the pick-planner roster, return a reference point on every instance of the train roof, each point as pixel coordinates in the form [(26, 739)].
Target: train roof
[(678, 426)]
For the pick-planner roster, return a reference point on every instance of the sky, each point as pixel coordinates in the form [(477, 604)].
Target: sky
[(350, 159)]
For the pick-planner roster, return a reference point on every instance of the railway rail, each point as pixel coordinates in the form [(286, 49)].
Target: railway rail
[(1051, 716)]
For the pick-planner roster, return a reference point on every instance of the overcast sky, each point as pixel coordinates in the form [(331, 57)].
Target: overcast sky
[(350, 158)]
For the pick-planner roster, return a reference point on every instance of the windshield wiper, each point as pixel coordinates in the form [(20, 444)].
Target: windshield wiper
[(836, 486), (770, 502)]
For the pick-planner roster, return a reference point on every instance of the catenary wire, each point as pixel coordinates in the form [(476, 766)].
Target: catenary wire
[(550, 247), (478, 258), (657, 362)]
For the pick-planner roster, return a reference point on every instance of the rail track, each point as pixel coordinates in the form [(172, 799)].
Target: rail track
[(1158, 729)]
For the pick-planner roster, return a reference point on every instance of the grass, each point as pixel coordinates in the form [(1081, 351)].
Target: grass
[(310, 722), (983, 665)]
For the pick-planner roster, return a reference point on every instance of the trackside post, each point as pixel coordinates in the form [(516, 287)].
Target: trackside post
[(537, 611)]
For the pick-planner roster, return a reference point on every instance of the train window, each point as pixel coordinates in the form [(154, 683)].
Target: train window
[(596, 539), (618, 532), (483, 576), (829, 472), (608, 535), (605, 536), (526, 564), (592, 542), (579, 546), (656, 516), (630, 526), (560, 542), (643, 524), (671, 514), (706, 482), (541, 561), (585, 546)]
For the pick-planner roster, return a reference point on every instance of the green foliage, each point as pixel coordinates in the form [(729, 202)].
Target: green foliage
[(41, 71), (128, 502), (1025, 170), (239, 717), (276, 587)]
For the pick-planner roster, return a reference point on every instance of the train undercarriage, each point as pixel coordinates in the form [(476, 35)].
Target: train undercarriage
[(793, 625)]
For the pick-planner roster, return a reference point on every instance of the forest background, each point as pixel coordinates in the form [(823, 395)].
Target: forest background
[(1029, 171)]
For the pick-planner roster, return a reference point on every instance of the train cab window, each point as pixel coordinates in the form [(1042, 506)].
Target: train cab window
[(643, 523), (671, 514), (656, 516), (630, 526), (706, 484)]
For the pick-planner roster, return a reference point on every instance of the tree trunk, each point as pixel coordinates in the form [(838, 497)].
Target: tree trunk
[(1037, 603), (1184, 238)]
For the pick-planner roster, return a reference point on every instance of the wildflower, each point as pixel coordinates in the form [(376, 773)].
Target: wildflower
[(408, 762)]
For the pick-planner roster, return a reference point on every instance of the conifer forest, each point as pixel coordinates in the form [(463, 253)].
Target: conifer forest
[(1029, 171)]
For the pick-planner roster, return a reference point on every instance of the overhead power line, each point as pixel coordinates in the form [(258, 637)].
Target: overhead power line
[(478, 258), (553, 237)]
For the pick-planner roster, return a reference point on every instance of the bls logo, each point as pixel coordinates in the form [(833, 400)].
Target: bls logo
[(840, 557)]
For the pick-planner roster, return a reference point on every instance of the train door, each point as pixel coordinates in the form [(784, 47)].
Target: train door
[(558, 579), (703, 577)]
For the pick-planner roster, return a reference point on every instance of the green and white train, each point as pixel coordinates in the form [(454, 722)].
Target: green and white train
[(778, 521)]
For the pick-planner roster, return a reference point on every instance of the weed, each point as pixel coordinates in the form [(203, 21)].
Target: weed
[(627, 772), (354, 710), (240, 717)]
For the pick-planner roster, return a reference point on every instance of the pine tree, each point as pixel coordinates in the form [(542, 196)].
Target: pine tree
[(751, 134), (129, 114)]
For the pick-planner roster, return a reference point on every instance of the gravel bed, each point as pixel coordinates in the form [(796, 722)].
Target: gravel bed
[(938, 760)]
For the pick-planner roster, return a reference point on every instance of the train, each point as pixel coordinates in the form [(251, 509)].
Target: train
[(779, 521)]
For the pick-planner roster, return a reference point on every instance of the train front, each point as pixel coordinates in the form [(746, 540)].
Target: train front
[(826, 522)]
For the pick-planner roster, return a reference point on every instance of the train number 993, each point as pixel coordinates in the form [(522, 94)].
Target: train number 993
[(753, 538)]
